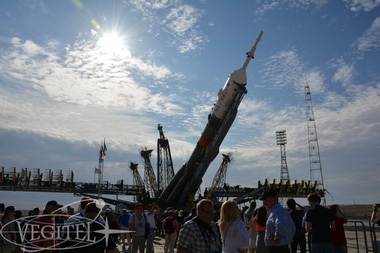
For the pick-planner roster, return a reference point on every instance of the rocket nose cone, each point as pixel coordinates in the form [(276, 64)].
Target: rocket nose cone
[(239, 76)]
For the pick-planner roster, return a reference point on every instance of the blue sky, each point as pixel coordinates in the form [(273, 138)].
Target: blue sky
[(75, 72)]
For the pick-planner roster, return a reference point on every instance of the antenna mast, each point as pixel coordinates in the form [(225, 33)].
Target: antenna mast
[(316, 175)]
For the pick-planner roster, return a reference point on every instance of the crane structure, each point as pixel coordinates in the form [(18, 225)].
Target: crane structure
[(314, 154), (219, 180), (165, 170), (149, 176), (137, 180), (281, 141)]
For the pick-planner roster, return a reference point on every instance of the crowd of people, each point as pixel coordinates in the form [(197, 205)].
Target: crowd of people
[(208, 228)]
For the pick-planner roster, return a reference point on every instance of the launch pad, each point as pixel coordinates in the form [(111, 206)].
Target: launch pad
[(179, 189)]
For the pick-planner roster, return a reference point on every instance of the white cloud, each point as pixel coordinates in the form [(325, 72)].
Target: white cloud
[(362, 5), (344, 72), (370, 41), (81, 76), (287, 69), (357, 115), (34, 112), (268, 5), (282, 69), (181, 21)]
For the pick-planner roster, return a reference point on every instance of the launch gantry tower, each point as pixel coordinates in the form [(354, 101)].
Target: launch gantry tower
[(219, 180), (314, 155), (165, 170), (137, 180), (149, 176), (281, 140)]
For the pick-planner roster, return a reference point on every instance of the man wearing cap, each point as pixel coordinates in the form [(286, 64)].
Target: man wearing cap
[(280, 227)]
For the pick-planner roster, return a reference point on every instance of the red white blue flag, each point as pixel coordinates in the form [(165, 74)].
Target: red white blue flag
[(102, 152)]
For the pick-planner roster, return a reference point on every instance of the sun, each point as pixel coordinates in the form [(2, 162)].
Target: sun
[(113, 45)]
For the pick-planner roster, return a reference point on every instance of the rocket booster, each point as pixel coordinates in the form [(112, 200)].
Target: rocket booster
[(189, 178)]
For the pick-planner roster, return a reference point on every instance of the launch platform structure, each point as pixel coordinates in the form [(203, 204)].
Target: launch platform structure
[(149, 176), (219, 180), (165, 170), (137, 180), (281, 141), (316, 174)]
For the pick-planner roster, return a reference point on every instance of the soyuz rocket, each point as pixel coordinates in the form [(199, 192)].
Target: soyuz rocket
[(188, 179)]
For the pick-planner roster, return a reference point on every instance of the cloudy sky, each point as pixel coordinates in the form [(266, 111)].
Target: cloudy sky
[(75, 72)]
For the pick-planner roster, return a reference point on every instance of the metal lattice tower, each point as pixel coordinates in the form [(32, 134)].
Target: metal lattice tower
[(137, 180), (316, 175), (149, 176), (220, 176), (281, 140), (165, 170)]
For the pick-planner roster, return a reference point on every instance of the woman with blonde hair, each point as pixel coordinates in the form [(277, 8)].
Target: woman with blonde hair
[(232, 229)]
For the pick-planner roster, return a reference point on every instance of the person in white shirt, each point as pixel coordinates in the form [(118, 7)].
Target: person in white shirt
[(232, 229), (151, 211)]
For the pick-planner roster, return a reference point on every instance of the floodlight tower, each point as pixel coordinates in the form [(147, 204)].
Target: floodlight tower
[(316, 175), (281, 140)]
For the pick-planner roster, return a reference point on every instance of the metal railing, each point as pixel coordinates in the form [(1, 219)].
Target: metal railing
[(359, 228), (372, 230), (361, 223)]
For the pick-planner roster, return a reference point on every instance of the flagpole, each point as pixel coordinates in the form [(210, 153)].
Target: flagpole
[(102, 156), (100, 174)]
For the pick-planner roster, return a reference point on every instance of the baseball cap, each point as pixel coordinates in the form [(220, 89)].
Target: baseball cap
[(53, 203)]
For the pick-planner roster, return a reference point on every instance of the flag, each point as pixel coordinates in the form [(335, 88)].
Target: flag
[(102, 151), (98, 171), (104, 146), (102, 154)]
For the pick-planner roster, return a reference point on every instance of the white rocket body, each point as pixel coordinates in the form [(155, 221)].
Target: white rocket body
[(188, 179), (227, 95)]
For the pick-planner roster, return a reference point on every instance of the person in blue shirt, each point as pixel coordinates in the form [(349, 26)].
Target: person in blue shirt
[(280, 227), (123, 221)]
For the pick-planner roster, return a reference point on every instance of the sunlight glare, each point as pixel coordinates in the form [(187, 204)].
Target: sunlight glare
[(113, 45)]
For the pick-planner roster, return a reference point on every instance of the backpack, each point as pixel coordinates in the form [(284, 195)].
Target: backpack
[(169, 228)]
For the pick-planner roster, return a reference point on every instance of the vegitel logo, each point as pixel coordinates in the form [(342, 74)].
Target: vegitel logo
[(39, 232)]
